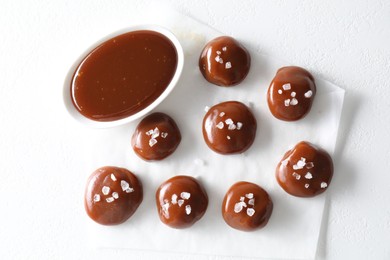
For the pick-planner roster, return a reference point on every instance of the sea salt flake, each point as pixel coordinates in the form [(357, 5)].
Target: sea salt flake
[(228, 65), (206, 108), (218, 52), (115, 195), (180, 202), (309, 176), (188, 209), (249, 195), (164, 134), (250, 212), (229, 121), (165, 209), (105, 190), (113, 177), (228, 137), (224, 48), (284, 162), (308, 94), (300, 164), (124, 185), (110, 199), (324, 185), (242, 198), (174, 199), (232, 127), (293, 94), (294, 102), (129, 190), (218, 59), (280, 91), (309, 165), (286, 86), (220, 125), (152, 142), (96, 198), (221, 114), (185, 195), (150, 132), (296, 175), (156, 133), (287, 102), (239, 206), (251, 202), (165, 206), (307, 185), (239, 125)]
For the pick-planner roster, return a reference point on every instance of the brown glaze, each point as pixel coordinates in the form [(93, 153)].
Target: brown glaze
[(291, 93), (246, 206), (229, 128), (305, 170), (224, 61), (112, 195), (123, 75), (156, 137), (181, 201)]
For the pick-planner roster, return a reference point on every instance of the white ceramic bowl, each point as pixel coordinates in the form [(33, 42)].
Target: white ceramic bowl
[(97, 124)]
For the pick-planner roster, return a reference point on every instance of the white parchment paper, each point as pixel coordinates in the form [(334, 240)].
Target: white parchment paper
[(294, 227)]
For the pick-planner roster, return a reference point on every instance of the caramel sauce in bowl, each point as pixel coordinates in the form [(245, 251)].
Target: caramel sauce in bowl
[(123, 76)]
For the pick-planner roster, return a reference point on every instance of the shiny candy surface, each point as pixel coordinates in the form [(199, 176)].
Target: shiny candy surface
[(305, 170), (112, 195), (291, 93), (224, 61), (229, 128), (156, 137), (181, 201), (246, 206)]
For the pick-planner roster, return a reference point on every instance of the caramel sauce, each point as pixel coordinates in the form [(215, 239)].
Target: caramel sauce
[(123, 75)]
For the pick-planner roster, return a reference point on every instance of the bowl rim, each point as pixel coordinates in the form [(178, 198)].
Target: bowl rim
[(67, 99)]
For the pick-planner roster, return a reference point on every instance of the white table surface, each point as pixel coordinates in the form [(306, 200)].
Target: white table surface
[(345, 42)]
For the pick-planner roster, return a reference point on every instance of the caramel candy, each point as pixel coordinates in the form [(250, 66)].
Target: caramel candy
[(181, 201), (156, 137), (224, 61), (305, 170), (112, 195), (229, 128), (291, 93), (246, 206)]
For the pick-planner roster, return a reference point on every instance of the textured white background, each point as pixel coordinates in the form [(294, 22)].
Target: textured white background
[(345, 42)]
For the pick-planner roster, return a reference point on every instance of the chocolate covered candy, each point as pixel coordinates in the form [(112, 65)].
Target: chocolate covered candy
[(112, 195), (224, 61), (291, 93), (305, 170), (181, 201)]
